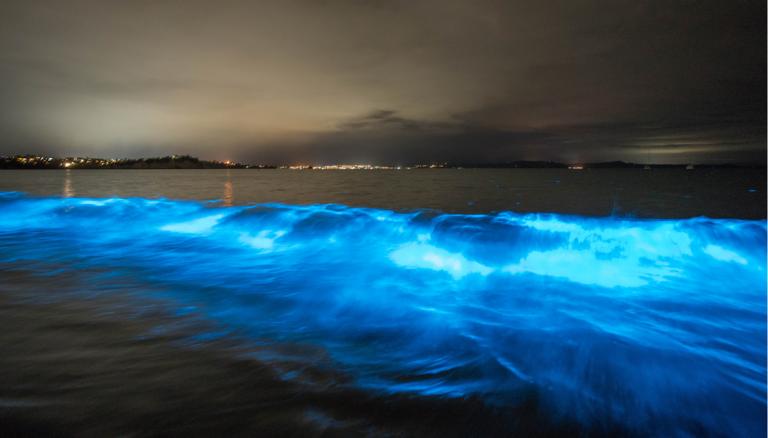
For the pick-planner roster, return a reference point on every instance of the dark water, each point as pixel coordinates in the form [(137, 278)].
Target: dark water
[(124, 314), (730, 193)]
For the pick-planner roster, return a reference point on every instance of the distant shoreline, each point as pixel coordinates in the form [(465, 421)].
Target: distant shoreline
[(186, 162)]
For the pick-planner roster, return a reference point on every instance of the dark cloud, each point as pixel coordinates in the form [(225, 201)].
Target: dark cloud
[(382, 119), (470, 81)]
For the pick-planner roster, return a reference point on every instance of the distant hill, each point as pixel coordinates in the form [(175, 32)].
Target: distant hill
[(600, 165), (177, 162), (169, 162)]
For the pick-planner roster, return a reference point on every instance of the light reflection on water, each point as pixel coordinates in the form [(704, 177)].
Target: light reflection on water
[(228, 194), (654, 324), (68, 192)]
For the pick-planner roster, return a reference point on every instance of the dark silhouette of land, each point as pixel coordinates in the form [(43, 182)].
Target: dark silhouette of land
[(189, 162), (168, 162), (598, 165)]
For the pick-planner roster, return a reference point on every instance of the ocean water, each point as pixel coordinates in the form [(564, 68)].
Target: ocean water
[(719, 193), (593, 324)]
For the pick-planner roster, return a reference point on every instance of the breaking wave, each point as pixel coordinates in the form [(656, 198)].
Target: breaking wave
[(656, 325)]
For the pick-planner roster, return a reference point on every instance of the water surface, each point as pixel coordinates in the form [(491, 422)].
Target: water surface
[(123, 312), (660, 193)]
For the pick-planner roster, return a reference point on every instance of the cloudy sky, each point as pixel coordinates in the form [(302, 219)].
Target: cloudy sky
[(323, 81)]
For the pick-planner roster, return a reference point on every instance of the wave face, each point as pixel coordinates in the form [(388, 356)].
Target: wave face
[(655, 325)]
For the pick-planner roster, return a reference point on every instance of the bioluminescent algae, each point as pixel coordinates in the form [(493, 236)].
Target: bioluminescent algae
[(656, 325)]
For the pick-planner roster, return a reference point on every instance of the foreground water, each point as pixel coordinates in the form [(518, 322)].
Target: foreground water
[(649, 327)]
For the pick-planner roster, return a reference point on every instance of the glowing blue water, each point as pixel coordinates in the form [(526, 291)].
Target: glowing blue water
[(657, 325)]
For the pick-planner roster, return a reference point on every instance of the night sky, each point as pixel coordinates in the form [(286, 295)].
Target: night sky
[(385, 81)]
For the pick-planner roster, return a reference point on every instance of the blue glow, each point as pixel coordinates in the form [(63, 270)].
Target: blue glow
[(203, 225), (658, 325), (724, 255)]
